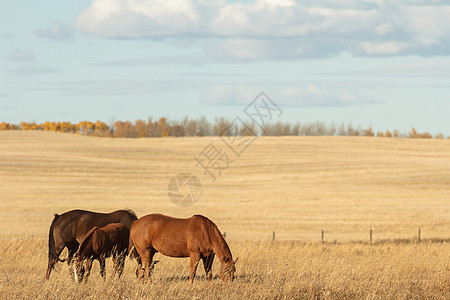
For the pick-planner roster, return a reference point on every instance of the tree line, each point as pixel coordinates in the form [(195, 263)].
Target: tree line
[(203, 127)]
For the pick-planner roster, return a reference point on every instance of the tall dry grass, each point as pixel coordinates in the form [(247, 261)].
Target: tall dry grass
[(266, 270)]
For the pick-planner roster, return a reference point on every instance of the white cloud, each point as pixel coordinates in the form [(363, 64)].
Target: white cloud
[(383, 48), (280, 28), (291, 96), (228, 95), (33, 71), (139, 18), (56, 31), (23, 55)]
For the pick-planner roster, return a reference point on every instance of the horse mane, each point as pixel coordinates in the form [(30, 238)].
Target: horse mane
[(217, 236), (51, 241), (131, 213)]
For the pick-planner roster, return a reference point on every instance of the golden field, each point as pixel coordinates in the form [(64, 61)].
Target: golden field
[(295, 186)]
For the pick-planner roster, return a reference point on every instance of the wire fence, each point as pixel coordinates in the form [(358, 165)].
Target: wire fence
[(371, 238)]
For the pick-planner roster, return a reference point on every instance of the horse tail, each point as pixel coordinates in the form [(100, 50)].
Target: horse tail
[(52, 255), (131, 248), (132, 252)]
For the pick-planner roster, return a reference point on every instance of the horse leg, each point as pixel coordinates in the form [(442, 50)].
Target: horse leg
[(87, 267), (78, 269), (139, 267), (115, 262), (121, 262), (101, 260), (140, 271), (195, 258), (147, 263), (72, 247), (207, 264)]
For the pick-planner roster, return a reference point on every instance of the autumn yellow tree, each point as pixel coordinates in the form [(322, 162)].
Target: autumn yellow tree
[(141, 128), (368, 132), (163, 127), (5, 126), (100, 128), (388, 134)]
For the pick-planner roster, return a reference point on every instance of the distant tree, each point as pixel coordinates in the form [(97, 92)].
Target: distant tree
[(85, 128), (100, 128), (140, 127), (368, 132), (395, 133), (413, 134), (249, 129), (425, 135), (220, 125), (269, 129), (163, 128), (204, 127), (176, 130), (342, 130), (388, 134), (5, 126), (124, 129), (295, 130), (190, 127), (332, 129), (352, 131)]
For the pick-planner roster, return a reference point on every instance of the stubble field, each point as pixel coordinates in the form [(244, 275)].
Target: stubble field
[(293, 186)]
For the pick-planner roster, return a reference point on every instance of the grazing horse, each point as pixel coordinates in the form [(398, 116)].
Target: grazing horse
[(69, 229), (196, 237), (99, 244)]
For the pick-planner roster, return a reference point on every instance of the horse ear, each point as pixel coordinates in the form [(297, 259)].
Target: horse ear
[(237, 258)]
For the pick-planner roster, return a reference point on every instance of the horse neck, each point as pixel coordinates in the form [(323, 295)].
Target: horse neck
[(219, 245), (122, 217)]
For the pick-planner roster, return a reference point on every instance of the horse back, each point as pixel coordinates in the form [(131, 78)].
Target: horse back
[(104, 241), (171, 236), (75, 224)]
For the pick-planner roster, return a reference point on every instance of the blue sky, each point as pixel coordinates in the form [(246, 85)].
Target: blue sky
[(384, 64)]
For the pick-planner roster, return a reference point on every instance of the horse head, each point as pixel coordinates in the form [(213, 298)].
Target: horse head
[(228, 269)]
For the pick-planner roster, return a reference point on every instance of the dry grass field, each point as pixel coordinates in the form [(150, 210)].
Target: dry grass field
[(295, 186)]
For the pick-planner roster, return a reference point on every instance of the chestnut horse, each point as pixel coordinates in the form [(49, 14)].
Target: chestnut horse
[(99, 244), (196, 237), (69, 229)]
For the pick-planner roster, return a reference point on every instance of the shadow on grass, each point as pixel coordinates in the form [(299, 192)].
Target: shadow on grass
[(249, 278)]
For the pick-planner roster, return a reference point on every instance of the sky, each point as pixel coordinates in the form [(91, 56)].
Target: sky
[(384, 64)]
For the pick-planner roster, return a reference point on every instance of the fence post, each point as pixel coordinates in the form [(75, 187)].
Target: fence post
[(273, 236), (323, 236), (419, 235), (371, 235)]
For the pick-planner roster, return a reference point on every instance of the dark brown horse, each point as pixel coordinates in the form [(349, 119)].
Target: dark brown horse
[(69, 229), (196, 237), (99, 244)]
